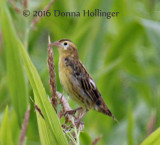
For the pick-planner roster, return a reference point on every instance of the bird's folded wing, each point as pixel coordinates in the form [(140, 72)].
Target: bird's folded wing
[(84, 79)]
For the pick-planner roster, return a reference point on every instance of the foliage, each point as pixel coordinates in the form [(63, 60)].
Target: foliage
[(121, 53), (153, 138)]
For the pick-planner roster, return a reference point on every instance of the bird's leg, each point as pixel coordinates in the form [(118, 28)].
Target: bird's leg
[(80, 117), (72, 112), (79, 113)]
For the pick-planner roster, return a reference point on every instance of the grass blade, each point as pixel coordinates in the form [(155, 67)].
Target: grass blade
[(153, 139), (51, 119), (15, 73), (41, 99), (5, 132), (43, 129)]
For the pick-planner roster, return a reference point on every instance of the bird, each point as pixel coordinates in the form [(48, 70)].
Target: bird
[(76, 81)]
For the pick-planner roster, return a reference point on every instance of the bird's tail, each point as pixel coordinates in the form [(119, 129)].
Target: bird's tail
[(109, 113), (106, 111)]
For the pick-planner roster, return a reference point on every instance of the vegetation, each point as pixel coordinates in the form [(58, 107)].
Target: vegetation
[(121, 53)]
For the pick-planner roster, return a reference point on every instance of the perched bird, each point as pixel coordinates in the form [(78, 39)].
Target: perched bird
[(76, 81)]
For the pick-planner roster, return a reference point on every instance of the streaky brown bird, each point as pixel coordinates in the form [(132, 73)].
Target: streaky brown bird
[(76, 81)]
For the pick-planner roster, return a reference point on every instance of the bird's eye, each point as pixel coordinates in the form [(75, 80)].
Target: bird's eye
[(65, 43)]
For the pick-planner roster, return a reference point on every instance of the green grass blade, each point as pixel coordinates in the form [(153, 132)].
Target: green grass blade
[(44, 131), (5, 132), (15, 73), (51, 119), (153, 139), (42, 100)]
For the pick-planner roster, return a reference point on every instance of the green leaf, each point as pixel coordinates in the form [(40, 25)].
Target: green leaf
[(54, 131), (153, 139), (5, 132), (15, 73), (85, 138), (42, 101), (44, 131), (14, 126)]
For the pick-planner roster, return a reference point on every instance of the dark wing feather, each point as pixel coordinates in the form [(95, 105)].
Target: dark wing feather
[(85, 80)]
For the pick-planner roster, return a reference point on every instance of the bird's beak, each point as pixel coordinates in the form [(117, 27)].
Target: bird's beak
[(57, 43)]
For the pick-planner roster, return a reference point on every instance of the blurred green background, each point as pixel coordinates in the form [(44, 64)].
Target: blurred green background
[(122, 55)]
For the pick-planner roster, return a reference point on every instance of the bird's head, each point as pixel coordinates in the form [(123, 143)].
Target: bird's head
[(66, 47)]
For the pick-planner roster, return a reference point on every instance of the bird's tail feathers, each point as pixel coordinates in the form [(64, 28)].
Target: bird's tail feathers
[(106, 111)]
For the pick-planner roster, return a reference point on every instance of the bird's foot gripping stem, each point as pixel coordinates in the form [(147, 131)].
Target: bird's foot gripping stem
[(80, 116), (72, 112)]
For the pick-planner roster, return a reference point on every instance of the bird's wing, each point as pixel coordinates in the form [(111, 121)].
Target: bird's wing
[(87, 84), (85, 80)]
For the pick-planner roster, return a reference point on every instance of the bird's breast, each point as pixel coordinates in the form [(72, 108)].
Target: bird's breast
[(70, 83), (65, 75)]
